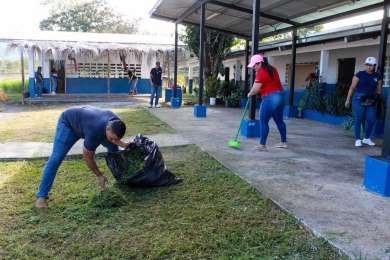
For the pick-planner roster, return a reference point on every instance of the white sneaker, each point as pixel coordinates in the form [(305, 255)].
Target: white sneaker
[(157, 106), (358, 143), (281, 145), (53, 93), (368, 142)]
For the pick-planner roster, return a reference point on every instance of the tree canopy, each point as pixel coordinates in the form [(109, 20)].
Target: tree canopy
[(217, 46), (85, 16)]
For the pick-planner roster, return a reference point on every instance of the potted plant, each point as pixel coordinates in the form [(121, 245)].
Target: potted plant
[(212, 89)]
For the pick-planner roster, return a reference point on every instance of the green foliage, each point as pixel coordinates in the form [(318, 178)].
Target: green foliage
[(303, 32), (108, 198), (12, 85), (212, 84), (217, 46), (231, 92), (86, 16), (333, 103)]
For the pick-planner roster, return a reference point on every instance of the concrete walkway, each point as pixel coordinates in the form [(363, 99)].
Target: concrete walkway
[(318, 179), (19, 150)]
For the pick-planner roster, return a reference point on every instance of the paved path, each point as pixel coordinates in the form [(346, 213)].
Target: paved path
[(318, 179), (18, 150)]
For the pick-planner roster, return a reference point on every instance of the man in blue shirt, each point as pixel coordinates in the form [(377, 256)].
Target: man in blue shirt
[(96, 127), (156, 84), (39, 81)]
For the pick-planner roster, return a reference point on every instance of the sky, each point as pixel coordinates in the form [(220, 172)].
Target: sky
[(13, 18)]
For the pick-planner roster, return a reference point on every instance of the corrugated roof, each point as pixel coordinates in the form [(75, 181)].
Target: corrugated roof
[(239, 22)]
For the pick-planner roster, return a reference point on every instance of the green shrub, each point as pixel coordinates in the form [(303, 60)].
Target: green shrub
[(12, 85), (212, 84), (333, 104)]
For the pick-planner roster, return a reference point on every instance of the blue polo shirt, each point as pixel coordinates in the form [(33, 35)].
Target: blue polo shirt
[(90, 124), (367, 82)]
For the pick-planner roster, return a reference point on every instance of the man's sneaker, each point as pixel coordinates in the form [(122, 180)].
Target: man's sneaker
[(157, 106), (41, 203), (368, 142), (261, 148), (358, 143), (281, 145)]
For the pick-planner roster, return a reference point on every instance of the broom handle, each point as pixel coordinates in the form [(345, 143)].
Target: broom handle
[(242, 118)]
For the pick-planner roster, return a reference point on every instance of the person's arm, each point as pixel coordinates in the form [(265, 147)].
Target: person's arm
[(379, 87), (355, 81), (151, 77), (255, 89), (91, 163)]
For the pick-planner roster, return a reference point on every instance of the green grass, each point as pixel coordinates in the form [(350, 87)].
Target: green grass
[(38, 123), (212, 214), (13, 89), (12, 85)]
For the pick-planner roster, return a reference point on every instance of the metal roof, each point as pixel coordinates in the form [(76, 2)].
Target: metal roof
[(235, 16)]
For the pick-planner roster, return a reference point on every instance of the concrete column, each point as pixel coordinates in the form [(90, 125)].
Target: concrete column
[(190, 79), (324, 64), (31, 73), (46, 72)]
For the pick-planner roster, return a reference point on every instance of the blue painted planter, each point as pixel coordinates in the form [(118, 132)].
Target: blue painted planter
[(200, 111), (324, 118), (250, 128), (377, 176), (175, 102), (169, 93)]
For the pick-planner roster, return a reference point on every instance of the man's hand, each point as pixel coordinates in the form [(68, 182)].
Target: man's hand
[(102, 181)]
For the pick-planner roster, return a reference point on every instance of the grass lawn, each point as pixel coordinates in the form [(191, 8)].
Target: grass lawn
[(212, 214), (38, 123)]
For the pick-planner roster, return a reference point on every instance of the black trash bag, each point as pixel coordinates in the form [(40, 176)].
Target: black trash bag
[(141, 164)]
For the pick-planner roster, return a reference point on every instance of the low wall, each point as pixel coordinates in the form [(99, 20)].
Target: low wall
[(99, 85)]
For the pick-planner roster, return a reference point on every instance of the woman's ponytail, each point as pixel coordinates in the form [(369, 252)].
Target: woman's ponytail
[(268, 67)]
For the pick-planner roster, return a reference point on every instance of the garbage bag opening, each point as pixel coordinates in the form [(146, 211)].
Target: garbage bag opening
[(141, 164)]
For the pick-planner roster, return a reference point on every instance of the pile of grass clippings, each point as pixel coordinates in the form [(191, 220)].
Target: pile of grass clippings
[(135, 159), (108, 198)]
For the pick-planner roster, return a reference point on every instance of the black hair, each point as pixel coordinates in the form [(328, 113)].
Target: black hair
[(117, 127), (268, 67)]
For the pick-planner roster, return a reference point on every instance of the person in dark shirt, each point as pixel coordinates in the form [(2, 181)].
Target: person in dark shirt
[(156, 84), (38, 82), (132, 82), (96, 127), (366, 86)]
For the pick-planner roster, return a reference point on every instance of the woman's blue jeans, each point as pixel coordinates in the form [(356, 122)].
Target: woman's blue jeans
[(64, 140), (272, 106), (363, 113)]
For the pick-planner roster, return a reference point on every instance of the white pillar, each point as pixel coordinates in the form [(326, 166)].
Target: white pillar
[(31, 72), (190, 72), (324, 64)]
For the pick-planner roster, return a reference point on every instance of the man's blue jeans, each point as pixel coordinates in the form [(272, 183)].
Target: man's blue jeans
[(54, 85), (360, 113), (64, 140), (39, 87), (272, 106), (155, 93)]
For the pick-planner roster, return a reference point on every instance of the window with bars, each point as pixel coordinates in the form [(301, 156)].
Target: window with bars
[(100, 70)]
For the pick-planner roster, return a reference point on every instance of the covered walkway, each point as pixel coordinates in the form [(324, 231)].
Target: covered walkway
[(318, 179)]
